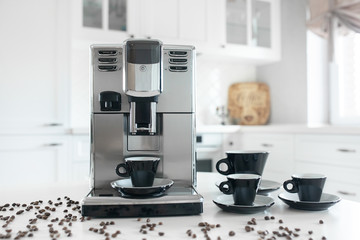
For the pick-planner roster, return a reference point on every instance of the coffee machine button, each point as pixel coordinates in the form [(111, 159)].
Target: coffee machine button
[(142, 68)]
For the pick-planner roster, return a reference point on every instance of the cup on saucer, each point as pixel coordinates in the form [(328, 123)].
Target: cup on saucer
[(252, 162), (308, 186), (243, 187), (140, 169)]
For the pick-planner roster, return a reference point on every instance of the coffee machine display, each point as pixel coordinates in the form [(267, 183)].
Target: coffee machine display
[(142, 131)]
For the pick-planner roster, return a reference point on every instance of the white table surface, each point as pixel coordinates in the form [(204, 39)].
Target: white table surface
[(341, 221)]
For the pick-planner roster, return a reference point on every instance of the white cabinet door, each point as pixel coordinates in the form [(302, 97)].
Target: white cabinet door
[(33, 72), (280, 163), (33, 160), (248, 30), (80, 160)]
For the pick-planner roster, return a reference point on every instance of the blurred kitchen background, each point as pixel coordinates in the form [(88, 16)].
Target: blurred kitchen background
[(308, 59)]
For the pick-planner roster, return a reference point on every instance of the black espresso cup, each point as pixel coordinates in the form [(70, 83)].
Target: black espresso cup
[(141, 170), (243, 162), (243, 187), (308, 186)]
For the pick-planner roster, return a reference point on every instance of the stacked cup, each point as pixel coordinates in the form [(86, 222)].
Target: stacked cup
[(243, 170)]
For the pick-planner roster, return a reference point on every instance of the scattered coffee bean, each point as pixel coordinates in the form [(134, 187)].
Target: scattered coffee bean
[(148, 220), (201, 224), (247, 228), (323, 238), (272, 217), (280, 221), (267, 218), (321, 221), (310, 232), (161, 233), (218, 225), (194, 235), (231, 233)]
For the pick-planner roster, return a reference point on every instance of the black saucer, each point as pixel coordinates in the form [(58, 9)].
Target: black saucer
[(125, 187), (226, 203), (326, 201), (265, 187)]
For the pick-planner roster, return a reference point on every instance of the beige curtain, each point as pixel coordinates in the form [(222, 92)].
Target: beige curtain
[(322, 12), (330, 16)]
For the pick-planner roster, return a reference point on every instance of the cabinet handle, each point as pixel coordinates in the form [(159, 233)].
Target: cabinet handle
[(345, 150), (267, 145), (52, 124), (52, 144), (347, 193)]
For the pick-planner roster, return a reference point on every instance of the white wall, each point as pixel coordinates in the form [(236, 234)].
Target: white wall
[(287, 79), (213, 78)]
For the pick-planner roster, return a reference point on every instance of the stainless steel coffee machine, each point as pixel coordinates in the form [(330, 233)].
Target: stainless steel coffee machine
[(142, 104)]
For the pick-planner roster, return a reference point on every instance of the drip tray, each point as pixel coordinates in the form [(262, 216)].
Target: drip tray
[(107, 203)]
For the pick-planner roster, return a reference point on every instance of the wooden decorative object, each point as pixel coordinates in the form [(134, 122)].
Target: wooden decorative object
[(249, 103)]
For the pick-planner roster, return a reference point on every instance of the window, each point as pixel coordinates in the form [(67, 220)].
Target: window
[(345, 90)]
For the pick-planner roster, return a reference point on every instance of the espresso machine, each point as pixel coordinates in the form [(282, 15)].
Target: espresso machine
[(142, 104)]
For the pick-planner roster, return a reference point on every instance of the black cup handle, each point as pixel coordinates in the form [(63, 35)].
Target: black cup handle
[(294, 188), (226, 161), (226, 190), (126, 173)]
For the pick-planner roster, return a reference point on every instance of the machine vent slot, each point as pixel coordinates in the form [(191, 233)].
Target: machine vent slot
[(178, 53), (178, 61), (108, 52), (107, 68), (107, 60), (178, 68)]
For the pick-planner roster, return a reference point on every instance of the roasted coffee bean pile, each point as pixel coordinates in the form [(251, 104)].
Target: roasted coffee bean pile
[(282, 232), (102, 230), (145, 228), (42, 212)]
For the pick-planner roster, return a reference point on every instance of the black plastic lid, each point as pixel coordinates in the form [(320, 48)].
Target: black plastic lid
[(143, 52)]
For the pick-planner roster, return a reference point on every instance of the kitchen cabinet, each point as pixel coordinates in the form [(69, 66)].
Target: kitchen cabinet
[(247, 29), (34, 70), (171, 21), (336, 156), (35, 159), (80, 157), (280, 162)]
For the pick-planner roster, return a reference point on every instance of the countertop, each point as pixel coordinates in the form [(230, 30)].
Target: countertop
[(340, 221)]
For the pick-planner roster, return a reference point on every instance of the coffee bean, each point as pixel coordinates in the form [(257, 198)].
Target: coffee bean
[(297, 229), (323, 238), (201, 224), (247, 228), (310, 239), (194, 235), (161, 234), (139, 219), (218, 225), (148, 220), (272, 217), (310, 232), (144, 232), (160, 223), (112, 223), (321, 221), (219, 238), (231, 233), (267, 218)]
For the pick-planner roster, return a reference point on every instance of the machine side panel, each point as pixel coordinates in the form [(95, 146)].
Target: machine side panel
[(108, 147), (178, 141)]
